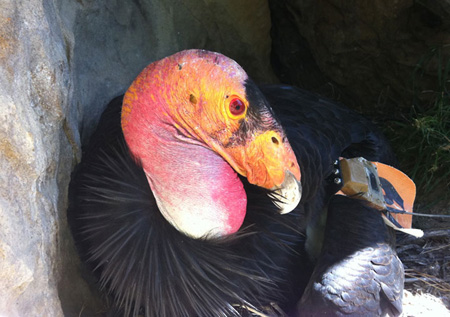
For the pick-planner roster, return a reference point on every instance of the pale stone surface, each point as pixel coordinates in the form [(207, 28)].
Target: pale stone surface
[(425, 305), (34, 155)]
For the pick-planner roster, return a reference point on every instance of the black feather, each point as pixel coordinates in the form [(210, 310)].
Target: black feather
[(151, 269), (143, 261), (358, 272)]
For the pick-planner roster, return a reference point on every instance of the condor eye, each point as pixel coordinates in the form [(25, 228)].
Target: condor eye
[(237, 107)]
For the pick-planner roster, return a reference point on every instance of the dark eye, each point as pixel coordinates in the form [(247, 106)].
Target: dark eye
[(237, 106)]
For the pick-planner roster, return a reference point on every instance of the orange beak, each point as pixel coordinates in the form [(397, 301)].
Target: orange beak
[(268, 158), (268, 161)]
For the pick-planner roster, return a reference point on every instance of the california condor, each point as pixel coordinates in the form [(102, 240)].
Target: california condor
[(185, 201)]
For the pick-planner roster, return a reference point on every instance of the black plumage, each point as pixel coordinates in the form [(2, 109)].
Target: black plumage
[(355, 276), (150, 268)]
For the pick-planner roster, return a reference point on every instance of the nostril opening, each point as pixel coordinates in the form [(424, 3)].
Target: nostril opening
[(292, 164), (275, 140)]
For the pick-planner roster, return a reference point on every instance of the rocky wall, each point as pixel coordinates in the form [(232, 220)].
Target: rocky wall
[(366, 51)]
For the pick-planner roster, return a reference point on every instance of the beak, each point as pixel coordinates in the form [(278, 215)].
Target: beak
[(287, 196), (271, 163)]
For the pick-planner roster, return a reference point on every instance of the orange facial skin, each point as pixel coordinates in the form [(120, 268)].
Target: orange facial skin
[(193, 120), (194, 96), (266, 159)]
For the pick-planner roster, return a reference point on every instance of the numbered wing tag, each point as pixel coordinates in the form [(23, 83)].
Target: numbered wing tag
[(384, 187)]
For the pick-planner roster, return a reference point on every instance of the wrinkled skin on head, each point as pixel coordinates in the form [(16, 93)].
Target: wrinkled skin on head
[(198, 99)]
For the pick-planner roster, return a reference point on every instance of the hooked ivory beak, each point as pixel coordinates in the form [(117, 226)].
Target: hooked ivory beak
[(287, 196)]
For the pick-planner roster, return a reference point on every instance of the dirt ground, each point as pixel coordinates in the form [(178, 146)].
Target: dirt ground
[(427, 265)]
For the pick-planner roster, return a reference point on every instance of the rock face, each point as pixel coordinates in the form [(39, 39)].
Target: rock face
[(35, 157), (367, 49)]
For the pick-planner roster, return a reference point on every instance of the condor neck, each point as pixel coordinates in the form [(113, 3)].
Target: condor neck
[(195, 189)]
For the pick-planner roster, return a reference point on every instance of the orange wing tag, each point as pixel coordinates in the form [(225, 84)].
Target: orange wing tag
[(399, 192), (385, 187)]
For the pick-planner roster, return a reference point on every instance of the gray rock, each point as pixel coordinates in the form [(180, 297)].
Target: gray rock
[(35, 157)]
